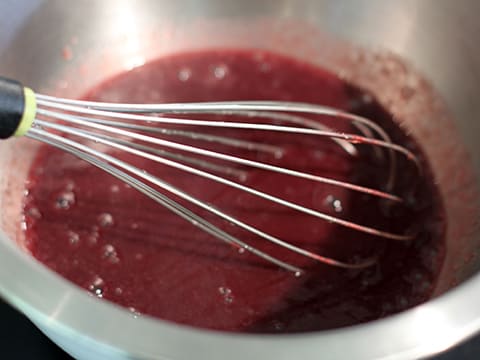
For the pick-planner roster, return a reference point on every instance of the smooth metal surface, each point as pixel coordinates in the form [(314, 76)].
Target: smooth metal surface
[(440, 37)]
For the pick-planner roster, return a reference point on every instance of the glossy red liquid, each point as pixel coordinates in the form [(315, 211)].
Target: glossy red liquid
[(121, 246)]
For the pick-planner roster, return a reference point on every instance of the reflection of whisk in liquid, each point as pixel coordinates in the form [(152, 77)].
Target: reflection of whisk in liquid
[(143, 130)]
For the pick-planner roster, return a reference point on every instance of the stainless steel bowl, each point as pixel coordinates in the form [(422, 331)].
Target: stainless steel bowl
[(439, 37)]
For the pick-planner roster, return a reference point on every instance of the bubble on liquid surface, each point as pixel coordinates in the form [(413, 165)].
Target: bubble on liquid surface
[(134, 312), (184, 74), (73, 237), (34, 213), (226, 294), (70, 185), (134, 226), (118, 291), (110, 253), (105, 219), (242, 176), (114, 188), (65, 200), (224, 290), (93, 236), (278, 154), (220, 71), (334, 203), (337, 206), (97, 286)]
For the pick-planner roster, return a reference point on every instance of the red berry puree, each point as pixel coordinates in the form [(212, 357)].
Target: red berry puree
[(121, 246)]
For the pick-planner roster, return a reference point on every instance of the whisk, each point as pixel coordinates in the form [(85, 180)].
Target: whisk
[(136, 129)]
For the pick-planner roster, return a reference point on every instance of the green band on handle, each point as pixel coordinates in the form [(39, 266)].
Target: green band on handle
[(29, 113), (12, 106)]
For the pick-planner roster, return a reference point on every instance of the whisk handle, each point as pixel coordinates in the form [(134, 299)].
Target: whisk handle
[(17, 108)]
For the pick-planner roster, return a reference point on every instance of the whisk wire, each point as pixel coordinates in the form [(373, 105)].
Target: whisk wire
[(141, 130), (84, 151), (234, 159)]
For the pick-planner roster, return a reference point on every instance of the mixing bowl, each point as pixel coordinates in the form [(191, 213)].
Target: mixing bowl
[(62, 48)]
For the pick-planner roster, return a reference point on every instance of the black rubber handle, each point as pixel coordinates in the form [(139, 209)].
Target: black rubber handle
[(12, 105)]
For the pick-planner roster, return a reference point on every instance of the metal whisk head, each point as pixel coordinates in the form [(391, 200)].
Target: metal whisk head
[(152, 131)]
